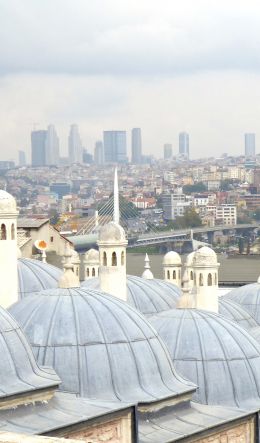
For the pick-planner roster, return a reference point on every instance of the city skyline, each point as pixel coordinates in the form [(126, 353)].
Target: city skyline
[(131, 65)]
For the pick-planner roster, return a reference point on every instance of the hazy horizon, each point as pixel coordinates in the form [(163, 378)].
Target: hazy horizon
[(114, 64)]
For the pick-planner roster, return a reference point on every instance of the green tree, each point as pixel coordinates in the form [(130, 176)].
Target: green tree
[(196, 188)]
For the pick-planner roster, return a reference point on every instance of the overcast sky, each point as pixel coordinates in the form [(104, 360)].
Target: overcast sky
[(162, 65)]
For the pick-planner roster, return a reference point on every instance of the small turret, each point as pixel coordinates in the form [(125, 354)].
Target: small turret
[(172, 268), (205, 268), (147, 274), (91, 264)]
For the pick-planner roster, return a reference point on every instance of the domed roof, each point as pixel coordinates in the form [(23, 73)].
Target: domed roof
[(255, 332), (92, 256), (189, 259), (34, 276), (204, 256), (7, 202), (172, 258), (147, 296), (100, 347), (247, 296), (222, 358), (19, 372), (111, 232), (235, 312)]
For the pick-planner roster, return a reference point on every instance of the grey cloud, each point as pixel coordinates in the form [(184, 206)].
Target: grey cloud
[(123, 37)]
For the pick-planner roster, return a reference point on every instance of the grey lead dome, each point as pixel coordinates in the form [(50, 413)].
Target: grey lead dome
[(248, 297), (222, 358), (235, 312), (99, 346), (19, 372), (35, 276), (147, 296)]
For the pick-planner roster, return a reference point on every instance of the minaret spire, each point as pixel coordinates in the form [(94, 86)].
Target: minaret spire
[(116, 199)]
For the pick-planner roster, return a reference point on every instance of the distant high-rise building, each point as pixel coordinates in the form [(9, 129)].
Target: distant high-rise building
[(52, 148), (87, 157), (38, 146), (184, 144), (99, 153), (21, 158), (167, 151), (249, 145), (75, 145), (115, 146), (136, 146)]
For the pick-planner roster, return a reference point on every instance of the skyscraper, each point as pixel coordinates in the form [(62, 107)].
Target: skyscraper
[(249, 145), (21, 158), (75, 145), (167, 151), (136, 146), (52, 148), (115, 146), (99, 153), (38, 146), (184, 148)]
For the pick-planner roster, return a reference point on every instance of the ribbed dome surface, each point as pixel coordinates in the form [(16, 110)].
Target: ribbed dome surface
[(19, 372), (99, 346), (235, 312), (147, 296), (248, 297), (219, 356), (34, 276)]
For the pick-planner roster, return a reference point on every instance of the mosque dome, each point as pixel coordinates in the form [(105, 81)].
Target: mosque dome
[(7, 202), (19, 372), (222, 358), (147, 296), (235, 312), (204, 256), (34, 276), (171, 258), (247, 296), (99, 346), (92, 256), (111, 232)]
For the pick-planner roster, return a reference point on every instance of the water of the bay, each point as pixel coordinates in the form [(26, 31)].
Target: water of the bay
[(232, 269)]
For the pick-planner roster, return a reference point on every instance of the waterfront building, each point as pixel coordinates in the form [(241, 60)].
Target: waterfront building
[(75, 145), (167, 151), (38, 147), (136, 146), (115, 146), (184, 144)]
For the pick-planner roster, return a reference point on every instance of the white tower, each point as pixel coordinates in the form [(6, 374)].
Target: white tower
[(205, 280), (8, 250), (112, 253), (91, 264), (172, 268)]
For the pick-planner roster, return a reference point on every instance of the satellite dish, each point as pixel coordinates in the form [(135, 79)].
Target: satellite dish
[(41, 245)]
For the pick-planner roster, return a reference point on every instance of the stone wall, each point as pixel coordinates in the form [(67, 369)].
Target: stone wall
[(118, 430), (241, 433)]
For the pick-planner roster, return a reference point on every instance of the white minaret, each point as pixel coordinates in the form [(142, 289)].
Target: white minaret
[(8, 250), (172, 268), (205, 279), (147, 274), (112, 253), (91, 264)]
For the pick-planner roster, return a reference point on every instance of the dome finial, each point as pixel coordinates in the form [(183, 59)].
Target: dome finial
[(147, 269), (68, 279), (116, 217)]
